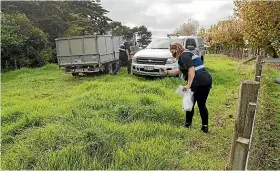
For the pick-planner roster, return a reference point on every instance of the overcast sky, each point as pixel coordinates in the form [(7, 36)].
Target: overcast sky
[(164, 16)]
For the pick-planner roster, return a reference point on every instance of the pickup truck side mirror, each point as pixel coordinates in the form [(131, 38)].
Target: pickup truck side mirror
[(190, 47)]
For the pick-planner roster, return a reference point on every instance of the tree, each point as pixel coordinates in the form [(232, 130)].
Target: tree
[(56, 17), (204, 34), (143, 34), (189, 28), (62, 18), (74, 30), (227, 32), (260, 24), (29, 28), (23, 44), (93, 15), (119, 30), (11, 40), (51, 16)]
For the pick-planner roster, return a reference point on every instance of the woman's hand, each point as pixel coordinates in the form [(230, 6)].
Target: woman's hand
[(186, 87), (170, 72), (163, 70)]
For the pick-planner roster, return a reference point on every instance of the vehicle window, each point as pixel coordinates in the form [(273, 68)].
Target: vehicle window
[(163, 43), (190, 42)]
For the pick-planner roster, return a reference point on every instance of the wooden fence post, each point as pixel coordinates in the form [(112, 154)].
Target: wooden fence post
[(258, 68), (249, 120), (258, 77), (240, 154), (248, 93), (242, 145), (249, 127)]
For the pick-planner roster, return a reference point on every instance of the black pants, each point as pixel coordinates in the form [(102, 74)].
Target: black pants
[(121, 63), (200, 96)]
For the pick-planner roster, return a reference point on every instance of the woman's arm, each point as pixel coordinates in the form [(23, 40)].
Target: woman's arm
[(173, 72), (191, 74)]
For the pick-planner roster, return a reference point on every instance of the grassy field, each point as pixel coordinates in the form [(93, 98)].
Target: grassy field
[(51, 120)]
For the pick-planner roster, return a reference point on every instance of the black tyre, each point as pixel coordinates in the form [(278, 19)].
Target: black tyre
[(131, 73), (109, 69), (114, 65), (75, 74)]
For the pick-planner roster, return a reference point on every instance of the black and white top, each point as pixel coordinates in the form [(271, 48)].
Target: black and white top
[(202, 76)]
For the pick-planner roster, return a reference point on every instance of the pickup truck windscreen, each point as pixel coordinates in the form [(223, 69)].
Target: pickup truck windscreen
[(163, 43)]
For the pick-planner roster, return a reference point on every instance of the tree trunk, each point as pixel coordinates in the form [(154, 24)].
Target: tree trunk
[(255, 51), (15, 64), (7, 66), (274, 53)]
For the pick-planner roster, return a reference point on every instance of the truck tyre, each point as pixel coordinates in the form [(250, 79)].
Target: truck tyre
[(109, 69), (114, 66), (75, 74)]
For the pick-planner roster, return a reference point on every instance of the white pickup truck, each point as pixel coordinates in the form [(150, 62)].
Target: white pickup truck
[(157, 55)]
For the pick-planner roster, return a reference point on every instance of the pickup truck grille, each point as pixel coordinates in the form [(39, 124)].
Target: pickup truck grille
[(151, 61)]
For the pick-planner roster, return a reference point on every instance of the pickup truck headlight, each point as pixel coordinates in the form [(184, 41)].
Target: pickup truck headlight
[(134, 59), (171, 60)]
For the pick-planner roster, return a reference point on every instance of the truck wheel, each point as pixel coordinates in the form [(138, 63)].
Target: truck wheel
[(75, 74), (109, 69), (114, 66)]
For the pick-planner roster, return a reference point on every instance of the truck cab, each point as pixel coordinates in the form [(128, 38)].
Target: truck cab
[(157, 55)]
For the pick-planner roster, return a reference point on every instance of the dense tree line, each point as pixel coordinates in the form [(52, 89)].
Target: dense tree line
[(29, 28), (255, 24)]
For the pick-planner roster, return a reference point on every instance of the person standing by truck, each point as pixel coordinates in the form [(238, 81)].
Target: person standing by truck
[(124, 56)]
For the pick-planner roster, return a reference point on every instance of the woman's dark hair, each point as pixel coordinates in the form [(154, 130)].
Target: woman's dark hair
[(177, 46)]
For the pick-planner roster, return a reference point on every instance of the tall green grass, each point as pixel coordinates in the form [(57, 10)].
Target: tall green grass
[(266, 142), (51, 120)]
